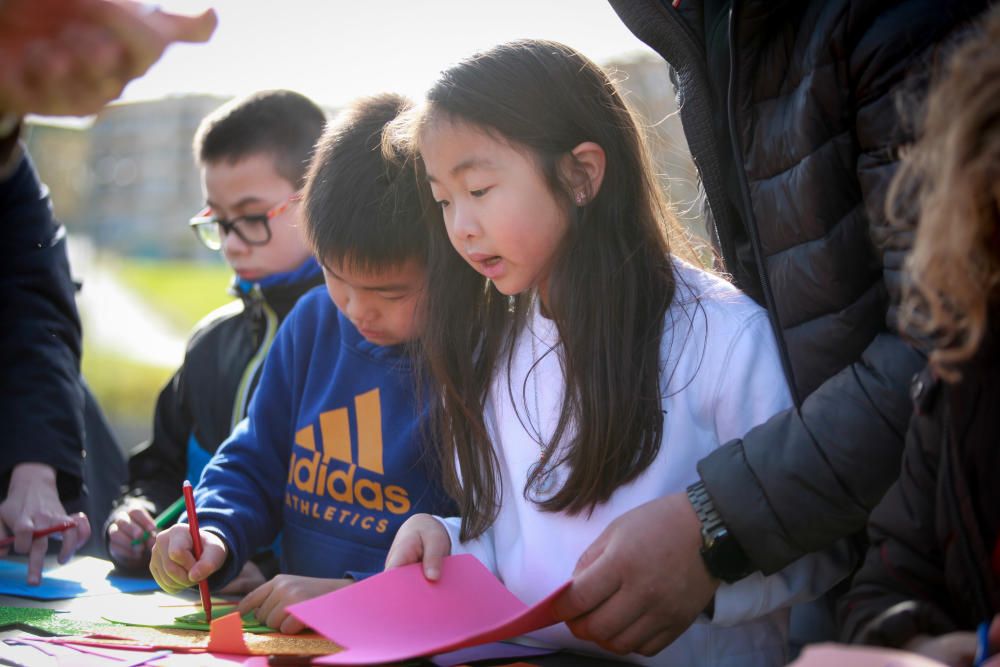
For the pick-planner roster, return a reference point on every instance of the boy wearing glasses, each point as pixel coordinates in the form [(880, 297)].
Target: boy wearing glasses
[(253, 153), (331, 454)]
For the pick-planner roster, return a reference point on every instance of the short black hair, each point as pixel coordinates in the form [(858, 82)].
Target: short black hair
[(280, 123), (362, 204)]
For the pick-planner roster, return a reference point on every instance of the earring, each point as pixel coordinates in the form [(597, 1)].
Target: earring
[(581, 199)]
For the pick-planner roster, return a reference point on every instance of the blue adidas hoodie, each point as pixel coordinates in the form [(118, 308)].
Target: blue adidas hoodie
[(330, 453)]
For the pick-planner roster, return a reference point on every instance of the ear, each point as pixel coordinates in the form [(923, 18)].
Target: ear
[(585, 170)]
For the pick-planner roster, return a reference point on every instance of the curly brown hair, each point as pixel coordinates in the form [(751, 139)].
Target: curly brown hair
[(948, 184)]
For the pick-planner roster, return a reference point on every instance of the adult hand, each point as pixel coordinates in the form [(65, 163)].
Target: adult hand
[(131, 522), (249, 578), (71, 57), (172, 562), (642, 582), (268, 602), (957, 649), (32, 503), (421, 539)]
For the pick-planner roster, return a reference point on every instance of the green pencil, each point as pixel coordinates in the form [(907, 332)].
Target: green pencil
[(163, 519)]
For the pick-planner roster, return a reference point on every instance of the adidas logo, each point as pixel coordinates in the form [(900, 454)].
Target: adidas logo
[(312, 474)]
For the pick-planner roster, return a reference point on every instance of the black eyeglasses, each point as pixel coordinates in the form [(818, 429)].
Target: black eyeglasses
[(251, 229)]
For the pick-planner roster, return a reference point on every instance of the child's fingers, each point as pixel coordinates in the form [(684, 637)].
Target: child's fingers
[(120, 546), (405, 549), (272, 610), (213, 556), (163, 581), (436, 545), (254, 598), (142, 520), (124, 529), (291, 625), (172, 559)]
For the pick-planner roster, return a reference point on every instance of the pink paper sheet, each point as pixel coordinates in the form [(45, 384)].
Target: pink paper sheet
[(398, 614)]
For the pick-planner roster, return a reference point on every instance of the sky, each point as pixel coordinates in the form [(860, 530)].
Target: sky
[(336, 50)]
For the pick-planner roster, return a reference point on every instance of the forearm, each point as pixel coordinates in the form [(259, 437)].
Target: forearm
[(795, 483)]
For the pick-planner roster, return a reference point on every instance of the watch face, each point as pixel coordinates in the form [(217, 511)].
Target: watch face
[(724, 557)]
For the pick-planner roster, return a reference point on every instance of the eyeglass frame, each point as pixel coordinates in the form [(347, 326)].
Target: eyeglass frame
[(204, 217)]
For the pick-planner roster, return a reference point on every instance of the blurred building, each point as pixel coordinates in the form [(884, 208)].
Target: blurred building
[(60, 152), (127, 179), (144, 185)]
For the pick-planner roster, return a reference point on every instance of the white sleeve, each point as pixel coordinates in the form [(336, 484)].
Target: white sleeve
[(751, 388), (481, 547)]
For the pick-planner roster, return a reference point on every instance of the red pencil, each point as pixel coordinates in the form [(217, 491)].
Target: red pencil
[(206, 600), (58, 528)]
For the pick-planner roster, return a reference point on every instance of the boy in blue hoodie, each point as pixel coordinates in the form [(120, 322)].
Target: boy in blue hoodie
[(331, 454), (253, 153)]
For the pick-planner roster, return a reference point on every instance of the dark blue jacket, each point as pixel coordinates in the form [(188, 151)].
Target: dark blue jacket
[(41, 398)]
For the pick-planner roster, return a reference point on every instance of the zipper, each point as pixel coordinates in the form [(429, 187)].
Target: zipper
[(751, 223), (242, 401)]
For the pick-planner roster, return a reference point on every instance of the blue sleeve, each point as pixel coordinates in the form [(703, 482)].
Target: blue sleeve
[(240, 495)]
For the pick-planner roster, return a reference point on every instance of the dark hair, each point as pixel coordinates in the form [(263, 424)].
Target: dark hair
[(363, 206), (608, 292), (279, 123)]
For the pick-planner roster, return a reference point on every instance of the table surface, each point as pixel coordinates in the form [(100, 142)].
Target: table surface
[(94, 607)]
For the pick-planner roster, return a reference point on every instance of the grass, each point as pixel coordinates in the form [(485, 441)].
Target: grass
[(125, 389), (183, 292)]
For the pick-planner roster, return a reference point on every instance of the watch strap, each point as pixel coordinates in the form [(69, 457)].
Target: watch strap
[(723, 555)]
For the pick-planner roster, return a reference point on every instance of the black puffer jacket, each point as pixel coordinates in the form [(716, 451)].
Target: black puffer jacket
[(932, 564), (795, 148)]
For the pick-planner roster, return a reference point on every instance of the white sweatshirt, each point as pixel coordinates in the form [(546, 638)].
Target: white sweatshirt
[(723, 376)]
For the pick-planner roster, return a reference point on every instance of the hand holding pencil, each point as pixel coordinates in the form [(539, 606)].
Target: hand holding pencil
[(132, 529), (174, 564), (31, 512)]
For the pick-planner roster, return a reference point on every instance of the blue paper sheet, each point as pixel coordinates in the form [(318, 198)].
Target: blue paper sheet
[(81, 577)]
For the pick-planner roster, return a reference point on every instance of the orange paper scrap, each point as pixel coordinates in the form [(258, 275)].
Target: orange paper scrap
[(226, 635)]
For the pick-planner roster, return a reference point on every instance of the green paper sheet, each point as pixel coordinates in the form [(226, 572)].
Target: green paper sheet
[(47, 622), (196, 621)]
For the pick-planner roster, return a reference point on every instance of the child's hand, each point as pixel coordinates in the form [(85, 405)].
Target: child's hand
[(173, 564), (421, 538), (249, 578), (130, 522), (268, 602)]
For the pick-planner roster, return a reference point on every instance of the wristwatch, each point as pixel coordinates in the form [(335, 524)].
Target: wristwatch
[(723, 556)]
